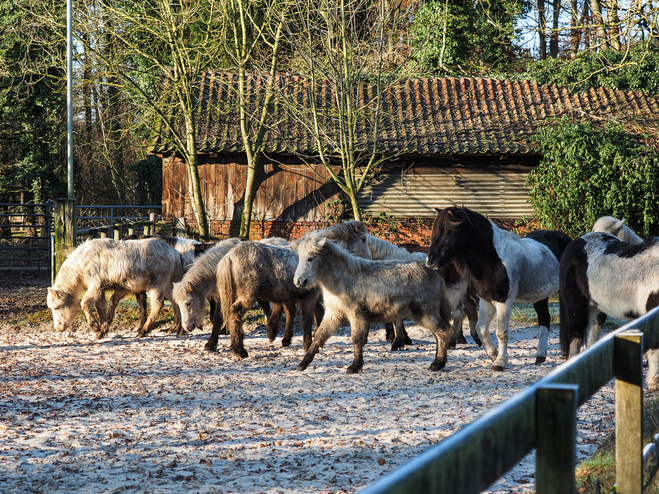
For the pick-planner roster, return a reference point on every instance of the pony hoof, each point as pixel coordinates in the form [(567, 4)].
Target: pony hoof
[(437, 365), (353, 370), (210, 348), (285, 343), (452, 344), (540, 360), (497, 368), (396, 346), (302, 367), (100, 336)]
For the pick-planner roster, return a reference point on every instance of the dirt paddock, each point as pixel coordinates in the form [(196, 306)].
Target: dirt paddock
[(158, 414)]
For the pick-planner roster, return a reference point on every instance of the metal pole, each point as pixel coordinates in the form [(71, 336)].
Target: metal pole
[(69, 94)]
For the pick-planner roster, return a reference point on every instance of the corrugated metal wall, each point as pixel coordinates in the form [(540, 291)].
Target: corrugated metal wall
[(496, 193)]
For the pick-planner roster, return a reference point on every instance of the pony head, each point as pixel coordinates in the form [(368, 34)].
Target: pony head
[(191, 305), (449, 236), (63, 307), (308, 253)]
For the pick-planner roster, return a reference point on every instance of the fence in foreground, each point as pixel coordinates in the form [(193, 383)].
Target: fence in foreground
[(543, 417)]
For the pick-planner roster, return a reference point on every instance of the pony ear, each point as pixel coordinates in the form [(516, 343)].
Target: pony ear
[(321, 243), (438, 210), (189, 287), (52, 292), (360, 227), (618, 226)]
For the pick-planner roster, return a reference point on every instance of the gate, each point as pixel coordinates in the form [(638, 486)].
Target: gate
[(25, 232)]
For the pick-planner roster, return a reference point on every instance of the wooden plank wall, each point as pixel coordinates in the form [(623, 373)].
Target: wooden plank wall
[(289, 191)]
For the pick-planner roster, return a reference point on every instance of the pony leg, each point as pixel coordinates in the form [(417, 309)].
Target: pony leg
[(472, 316), (140, 300), (290, 310), (114, 302), (456, 328), (390, 331), (503, 334), (359, 330), (273, 322), (596, 320), (401, 337), (102, 310), (544, 320), (327, 328), (442, 335), (485, 316), (235, 324), (156, 306), (306, 308), (218, 329), (87, 304), (318, 311), (652, 377)]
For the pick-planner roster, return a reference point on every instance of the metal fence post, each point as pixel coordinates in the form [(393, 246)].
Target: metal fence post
[(556, 435), (628, 351), (64, 232)]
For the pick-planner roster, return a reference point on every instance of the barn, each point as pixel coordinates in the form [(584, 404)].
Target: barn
[(464, 141)]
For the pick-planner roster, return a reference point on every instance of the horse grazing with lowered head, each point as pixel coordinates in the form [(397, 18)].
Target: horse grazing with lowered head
[(364, 292), (122, 266), (242, 280), (457, 292), (503, 268), (602, 274)]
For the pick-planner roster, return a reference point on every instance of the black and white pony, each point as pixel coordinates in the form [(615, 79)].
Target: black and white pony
[(503, 269), (600, 275)]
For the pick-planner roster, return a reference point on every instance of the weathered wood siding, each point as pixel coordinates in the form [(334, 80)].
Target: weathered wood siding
[(288, 192)]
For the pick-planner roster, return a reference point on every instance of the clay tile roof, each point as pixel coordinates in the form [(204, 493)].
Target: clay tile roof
[(430, 115)]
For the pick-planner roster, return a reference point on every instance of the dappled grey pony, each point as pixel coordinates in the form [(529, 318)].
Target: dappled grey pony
[(603, 274), (363, 292), (125, 267)]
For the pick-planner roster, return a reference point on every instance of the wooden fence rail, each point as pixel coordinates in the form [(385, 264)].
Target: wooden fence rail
[(543, 416)]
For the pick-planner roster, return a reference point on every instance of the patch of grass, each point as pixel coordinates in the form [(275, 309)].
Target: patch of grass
[(602, 465)]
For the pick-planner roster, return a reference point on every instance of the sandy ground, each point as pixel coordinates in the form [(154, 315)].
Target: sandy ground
[(158, 414)]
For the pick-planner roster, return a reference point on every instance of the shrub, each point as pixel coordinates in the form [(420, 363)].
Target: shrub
[(588, 172)]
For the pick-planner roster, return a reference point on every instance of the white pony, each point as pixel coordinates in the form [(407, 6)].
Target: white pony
[(456, 291), (98, 265), (364, 291)]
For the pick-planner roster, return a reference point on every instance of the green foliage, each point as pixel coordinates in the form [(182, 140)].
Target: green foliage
[(587, 172), (32, 100), (466, 37), (637, 70)]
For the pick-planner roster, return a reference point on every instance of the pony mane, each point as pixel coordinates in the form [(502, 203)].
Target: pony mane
[(383, 250), (339, 232), (204, 268), (609, 224), (352, 262)]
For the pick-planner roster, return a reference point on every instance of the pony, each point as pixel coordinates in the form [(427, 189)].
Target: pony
[(123, 266), (364, 292), (241, 280), (607, 274), (503, 268), (457, 291), (199, 284)]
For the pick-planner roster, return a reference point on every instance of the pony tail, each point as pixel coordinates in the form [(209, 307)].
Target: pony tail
[(564, 336), (226, 288), (445, 310)]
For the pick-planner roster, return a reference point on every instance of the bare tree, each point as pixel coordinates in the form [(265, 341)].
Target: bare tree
[(341, 49), (154, 53)]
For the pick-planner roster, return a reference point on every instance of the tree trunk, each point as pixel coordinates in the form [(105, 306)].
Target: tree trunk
[(194, 187), (600, 27), (553, 40), (613, 24), (248, 201), (575, 30), (542, 30)]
